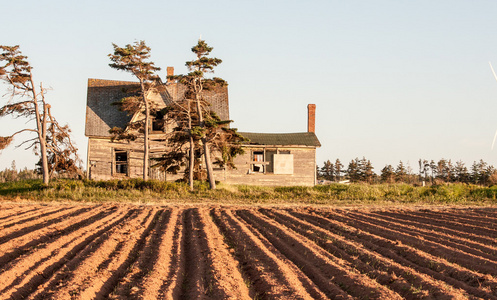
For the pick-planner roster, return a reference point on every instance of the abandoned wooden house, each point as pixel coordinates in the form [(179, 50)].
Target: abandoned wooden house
[(276, 159)]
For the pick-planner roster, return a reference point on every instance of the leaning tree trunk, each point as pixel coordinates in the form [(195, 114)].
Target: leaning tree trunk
[(192, 163), (207, 152), (191, 167), (145, 133), (208, 164)]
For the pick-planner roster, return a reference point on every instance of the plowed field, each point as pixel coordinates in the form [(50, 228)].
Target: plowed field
[(216, 252)]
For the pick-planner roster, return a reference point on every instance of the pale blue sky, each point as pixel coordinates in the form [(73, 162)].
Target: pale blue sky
[(392, 80)]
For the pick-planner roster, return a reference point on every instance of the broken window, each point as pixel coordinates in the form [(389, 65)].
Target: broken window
[(121, 160), (157, 125), (272, 161), (258, 161)]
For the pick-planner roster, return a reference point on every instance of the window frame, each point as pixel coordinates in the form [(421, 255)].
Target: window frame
[(120, 165)]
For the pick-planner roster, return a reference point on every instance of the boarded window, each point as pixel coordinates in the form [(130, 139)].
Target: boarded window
[(121, 159), (283, 164), (270, 161)]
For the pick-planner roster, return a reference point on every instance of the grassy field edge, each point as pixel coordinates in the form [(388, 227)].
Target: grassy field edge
[(139, 191)]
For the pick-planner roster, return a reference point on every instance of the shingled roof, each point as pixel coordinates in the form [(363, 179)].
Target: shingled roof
[(282, 139), (101, 115)]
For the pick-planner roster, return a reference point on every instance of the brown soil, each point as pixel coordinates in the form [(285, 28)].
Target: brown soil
[(215, 252)]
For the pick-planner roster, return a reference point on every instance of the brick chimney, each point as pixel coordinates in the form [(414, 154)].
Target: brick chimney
[(311, 118), (170, 72)]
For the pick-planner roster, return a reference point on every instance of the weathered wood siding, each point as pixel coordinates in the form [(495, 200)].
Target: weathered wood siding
[(101, 160), (102, 165), (304, 169)]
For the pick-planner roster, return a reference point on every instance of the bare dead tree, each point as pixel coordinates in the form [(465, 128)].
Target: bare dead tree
[(24, 100), (62, 153)]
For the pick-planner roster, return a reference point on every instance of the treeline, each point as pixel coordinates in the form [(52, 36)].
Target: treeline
[(12, 174), (429, 172)]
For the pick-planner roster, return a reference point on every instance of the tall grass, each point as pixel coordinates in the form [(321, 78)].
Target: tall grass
[(139, 191)]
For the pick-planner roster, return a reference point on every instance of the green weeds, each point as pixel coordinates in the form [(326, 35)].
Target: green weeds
[(153, 191)]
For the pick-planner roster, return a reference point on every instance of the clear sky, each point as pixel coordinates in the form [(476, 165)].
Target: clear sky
[(392, 80)]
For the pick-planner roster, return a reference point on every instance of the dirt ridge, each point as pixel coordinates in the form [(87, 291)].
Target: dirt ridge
[(109, 251)]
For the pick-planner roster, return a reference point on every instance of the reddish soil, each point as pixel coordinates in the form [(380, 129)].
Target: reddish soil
[(216, 252)]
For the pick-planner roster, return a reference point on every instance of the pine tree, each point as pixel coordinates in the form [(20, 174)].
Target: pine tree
[(369, 175), (388, 174), (328, 170), (461, 172), (400, 172), (353, 170), (198, 130), (196, 84), (478, 172), (338, 169), (133, 59)]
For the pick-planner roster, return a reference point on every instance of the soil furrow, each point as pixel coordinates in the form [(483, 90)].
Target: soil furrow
[(267, 272), (225, 269), (59, 253), (464, 216), (201, 280), (428, 224), (455, 242), (131, 286), (194, 285), (62, 283), (132, 236), (37, 240), (7, 211), (16, 216), (316, 263), (164, 264), (423, 262), (72, 279), (172, 286), (486, 213), (384, 268), (18, 208), (39, 226), (452, 222), (73, 251), (467, 260), (45, 222)]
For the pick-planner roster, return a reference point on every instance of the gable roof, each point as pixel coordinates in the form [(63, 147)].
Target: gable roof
[(101, 115), (282, 139)]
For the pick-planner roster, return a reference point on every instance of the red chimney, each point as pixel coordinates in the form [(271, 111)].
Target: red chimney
[(311, 118)]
